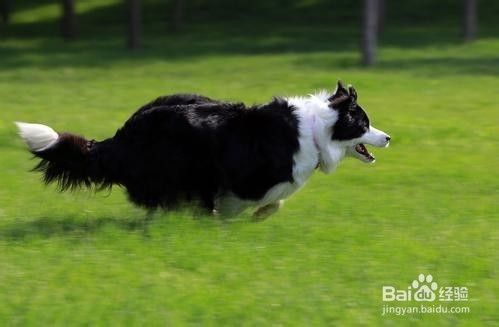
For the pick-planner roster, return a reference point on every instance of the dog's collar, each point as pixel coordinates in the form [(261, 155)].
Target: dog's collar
[(316, 142), (314, 137)]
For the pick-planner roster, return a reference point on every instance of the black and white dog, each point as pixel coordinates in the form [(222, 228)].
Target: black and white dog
[(224, 157)]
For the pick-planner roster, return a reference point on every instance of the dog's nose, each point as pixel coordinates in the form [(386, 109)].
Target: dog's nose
[(388, 138)]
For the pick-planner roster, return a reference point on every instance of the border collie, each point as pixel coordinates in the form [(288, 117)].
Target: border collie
[(220, 156)]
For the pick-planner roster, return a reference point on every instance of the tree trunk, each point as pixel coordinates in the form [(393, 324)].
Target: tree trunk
[(470, 20), (134, 24), (369, 32), (381, 15), (5, 6), (68, 20), (177, 15)]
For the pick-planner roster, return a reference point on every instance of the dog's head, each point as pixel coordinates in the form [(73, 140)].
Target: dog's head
[(352, 129)]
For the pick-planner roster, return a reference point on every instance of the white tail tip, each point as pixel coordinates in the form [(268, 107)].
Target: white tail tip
[(38, 137)]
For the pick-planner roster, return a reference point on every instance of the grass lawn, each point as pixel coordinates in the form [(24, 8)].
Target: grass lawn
[(428, 205)]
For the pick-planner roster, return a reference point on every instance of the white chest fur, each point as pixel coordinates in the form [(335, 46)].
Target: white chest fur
[(309, 112), (314, 116)]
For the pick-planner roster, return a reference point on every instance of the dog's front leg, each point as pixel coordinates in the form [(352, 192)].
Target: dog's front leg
[(229, 205)]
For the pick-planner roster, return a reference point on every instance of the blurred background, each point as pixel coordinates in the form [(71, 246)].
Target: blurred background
[(427, 73), (251, 26)]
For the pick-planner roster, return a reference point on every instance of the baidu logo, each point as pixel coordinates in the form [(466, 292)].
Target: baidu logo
[(424, 289)]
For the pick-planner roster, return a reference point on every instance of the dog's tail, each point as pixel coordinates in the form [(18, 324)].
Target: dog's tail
[(68, 159)]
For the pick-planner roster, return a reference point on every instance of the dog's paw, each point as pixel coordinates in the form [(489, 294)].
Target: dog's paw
[(267, 210)]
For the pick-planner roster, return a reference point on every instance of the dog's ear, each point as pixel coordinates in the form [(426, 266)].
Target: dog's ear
[(352, 92), (339, 96)]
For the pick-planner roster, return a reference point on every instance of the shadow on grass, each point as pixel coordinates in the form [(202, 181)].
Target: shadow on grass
[(46, 227), (480, 65), (483, 65), (316, 47), (197, 43)]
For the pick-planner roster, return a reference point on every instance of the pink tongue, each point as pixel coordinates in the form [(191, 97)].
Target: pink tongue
[(362, 149)]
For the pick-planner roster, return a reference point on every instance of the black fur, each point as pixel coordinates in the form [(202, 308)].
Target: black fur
[(352, 122), (183, 147)]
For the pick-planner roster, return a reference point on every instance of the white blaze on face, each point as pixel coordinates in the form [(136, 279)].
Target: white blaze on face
[(376, 137), (372, 137)]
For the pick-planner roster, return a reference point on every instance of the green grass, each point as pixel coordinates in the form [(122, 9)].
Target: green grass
[(428, 205)]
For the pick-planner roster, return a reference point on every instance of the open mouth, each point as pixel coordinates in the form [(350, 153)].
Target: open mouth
[(362, 150)]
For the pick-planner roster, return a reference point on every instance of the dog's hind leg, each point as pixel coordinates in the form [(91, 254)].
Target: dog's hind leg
[(267, 210)]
